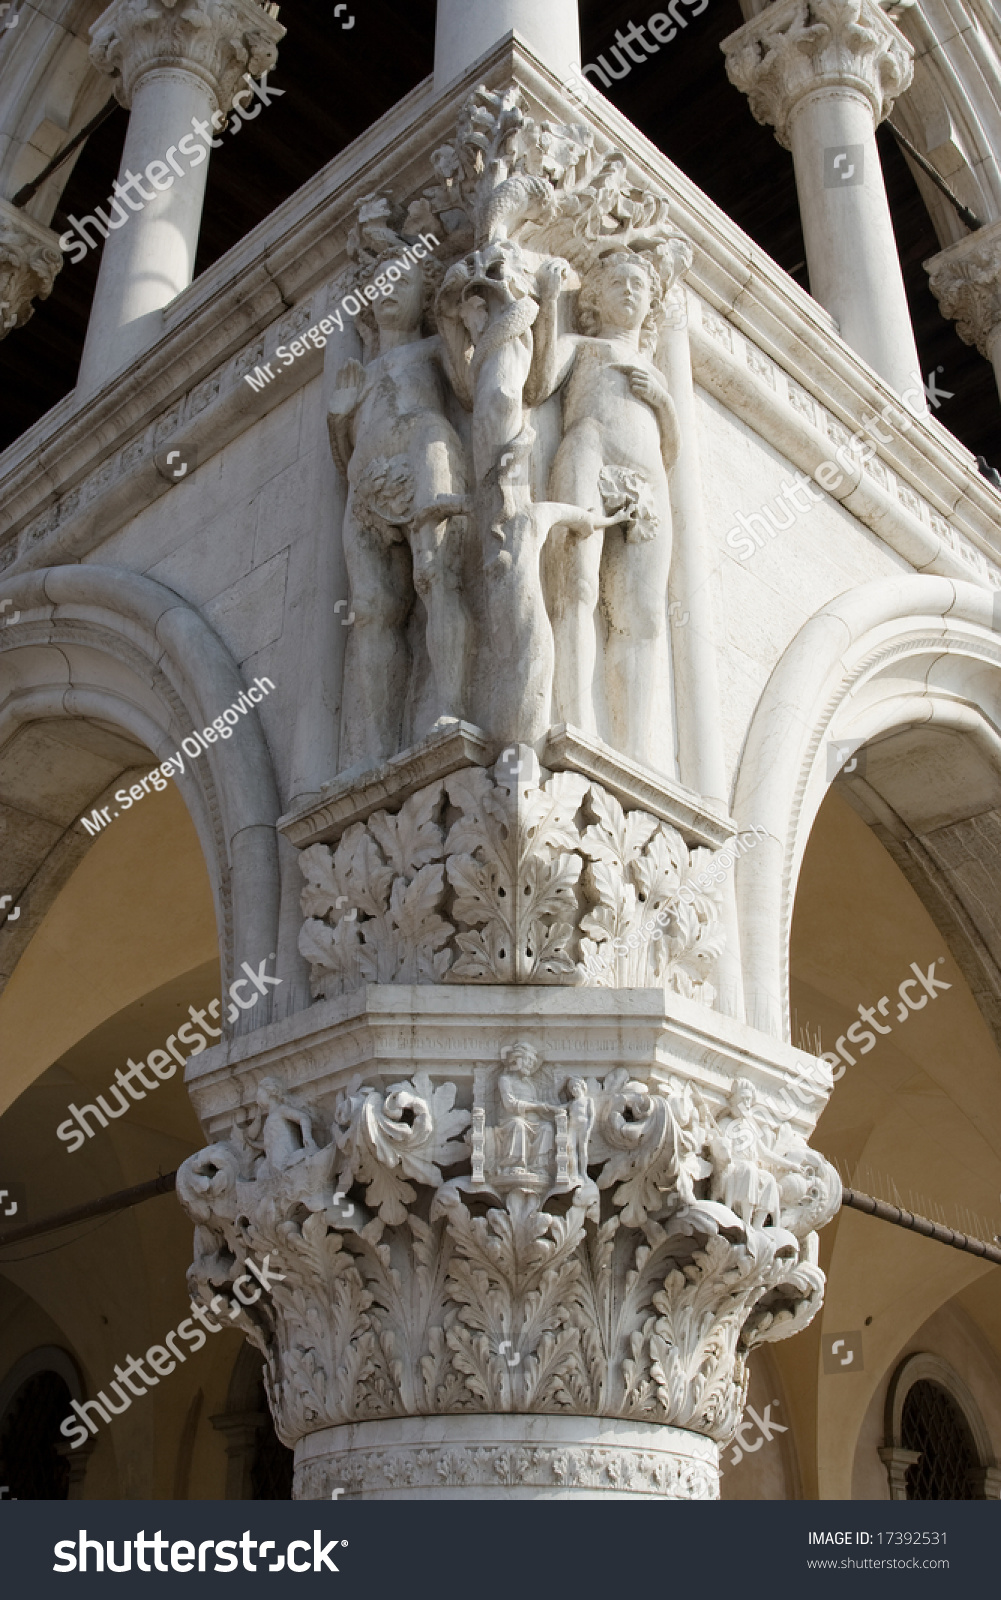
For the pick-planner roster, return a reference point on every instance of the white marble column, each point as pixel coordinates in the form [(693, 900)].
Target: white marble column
[(29, 261), (173, 69), (466, 29), (824, 74), (966, 281)]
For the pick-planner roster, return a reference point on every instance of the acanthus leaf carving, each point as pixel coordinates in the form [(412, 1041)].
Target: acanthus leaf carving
[(523, 888), (604, 1246), (795, 47)]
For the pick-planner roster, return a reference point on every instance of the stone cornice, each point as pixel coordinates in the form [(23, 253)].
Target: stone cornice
[(797, 47), (966, 281), (215, 40), (84, 470)]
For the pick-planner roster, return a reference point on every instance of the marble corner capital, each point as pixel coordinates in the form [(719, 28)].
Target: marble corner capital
[(216, 41), (966, 281), (602, 1245), (796, 47), (29, 260)]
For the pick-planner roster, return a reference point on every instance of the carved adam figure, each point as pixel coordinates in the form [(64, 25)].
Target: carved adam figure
[(403, 524), (620, 441)]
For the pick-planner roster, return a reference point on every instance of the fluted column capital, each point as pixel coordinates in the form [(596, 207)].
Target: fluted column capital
[(966, 281), (796, 47), (29, 260), (216, 41)]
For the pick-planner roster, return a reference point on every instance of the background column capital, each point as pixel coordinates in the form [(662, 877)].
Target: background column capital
[(796, 47), (29, 260), (216, 41), (966, 281)]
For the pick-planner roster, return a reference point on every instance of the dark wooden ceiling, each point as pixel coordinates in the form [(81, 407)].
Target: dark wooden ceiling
[(338, 81)]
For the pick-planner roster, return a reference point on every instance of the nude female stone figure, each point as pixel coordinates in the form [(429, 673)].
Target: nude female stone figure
[(620, 440)]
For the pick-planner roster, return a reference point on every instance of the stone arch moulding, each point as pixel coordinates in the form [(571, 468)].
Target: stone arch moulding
[(50, 1358), (45, 1358), (915, 651), (933, 1368), (107, 644)]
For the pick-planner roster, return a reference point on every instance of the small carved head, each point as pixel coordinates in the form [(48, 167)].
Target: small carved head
[(522, 1058), (270, 1092), (407, 293), (623, 289), (742, 1095), (577, 1088)]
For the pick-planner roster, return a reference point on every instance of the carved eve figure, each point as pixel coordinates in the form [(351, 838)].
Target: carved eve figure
[(619, 443), (403, 524)]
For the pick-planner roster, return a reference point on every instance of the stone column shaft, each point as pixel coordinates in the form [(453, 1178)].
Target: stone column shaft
[(850, 246), (149, 256), (824, 74), (466, 29), (172, 70)]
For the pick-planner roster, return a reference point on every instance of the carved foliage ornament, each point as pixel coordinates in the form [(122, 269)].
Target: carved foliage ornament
[(217, 40), (482, 880), (796, 46), (968, 290), (29, 261), (590, 1246)]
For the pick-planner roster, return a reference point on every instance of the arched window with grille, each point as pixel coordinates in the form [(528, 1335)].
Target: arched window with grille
[(937, 1445), (35, 1396)]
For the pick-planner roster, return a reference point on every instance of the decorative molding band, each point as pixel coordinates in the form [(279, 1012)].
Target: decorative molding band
[(755, 388), (67, 484), (522, 1470)]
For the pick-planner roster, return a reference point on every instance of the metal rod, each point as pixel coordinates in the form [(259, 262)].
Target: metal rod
[(24, 194), (931, 1230), (120, 1201), (971, 220)]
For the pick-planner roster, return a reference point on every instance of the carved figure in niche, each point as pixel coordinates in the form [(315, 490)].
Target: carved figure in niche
[(740, 1180), (619, 443), (282, 1129), (524, 1139), (580, 1116), (403, 523)]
